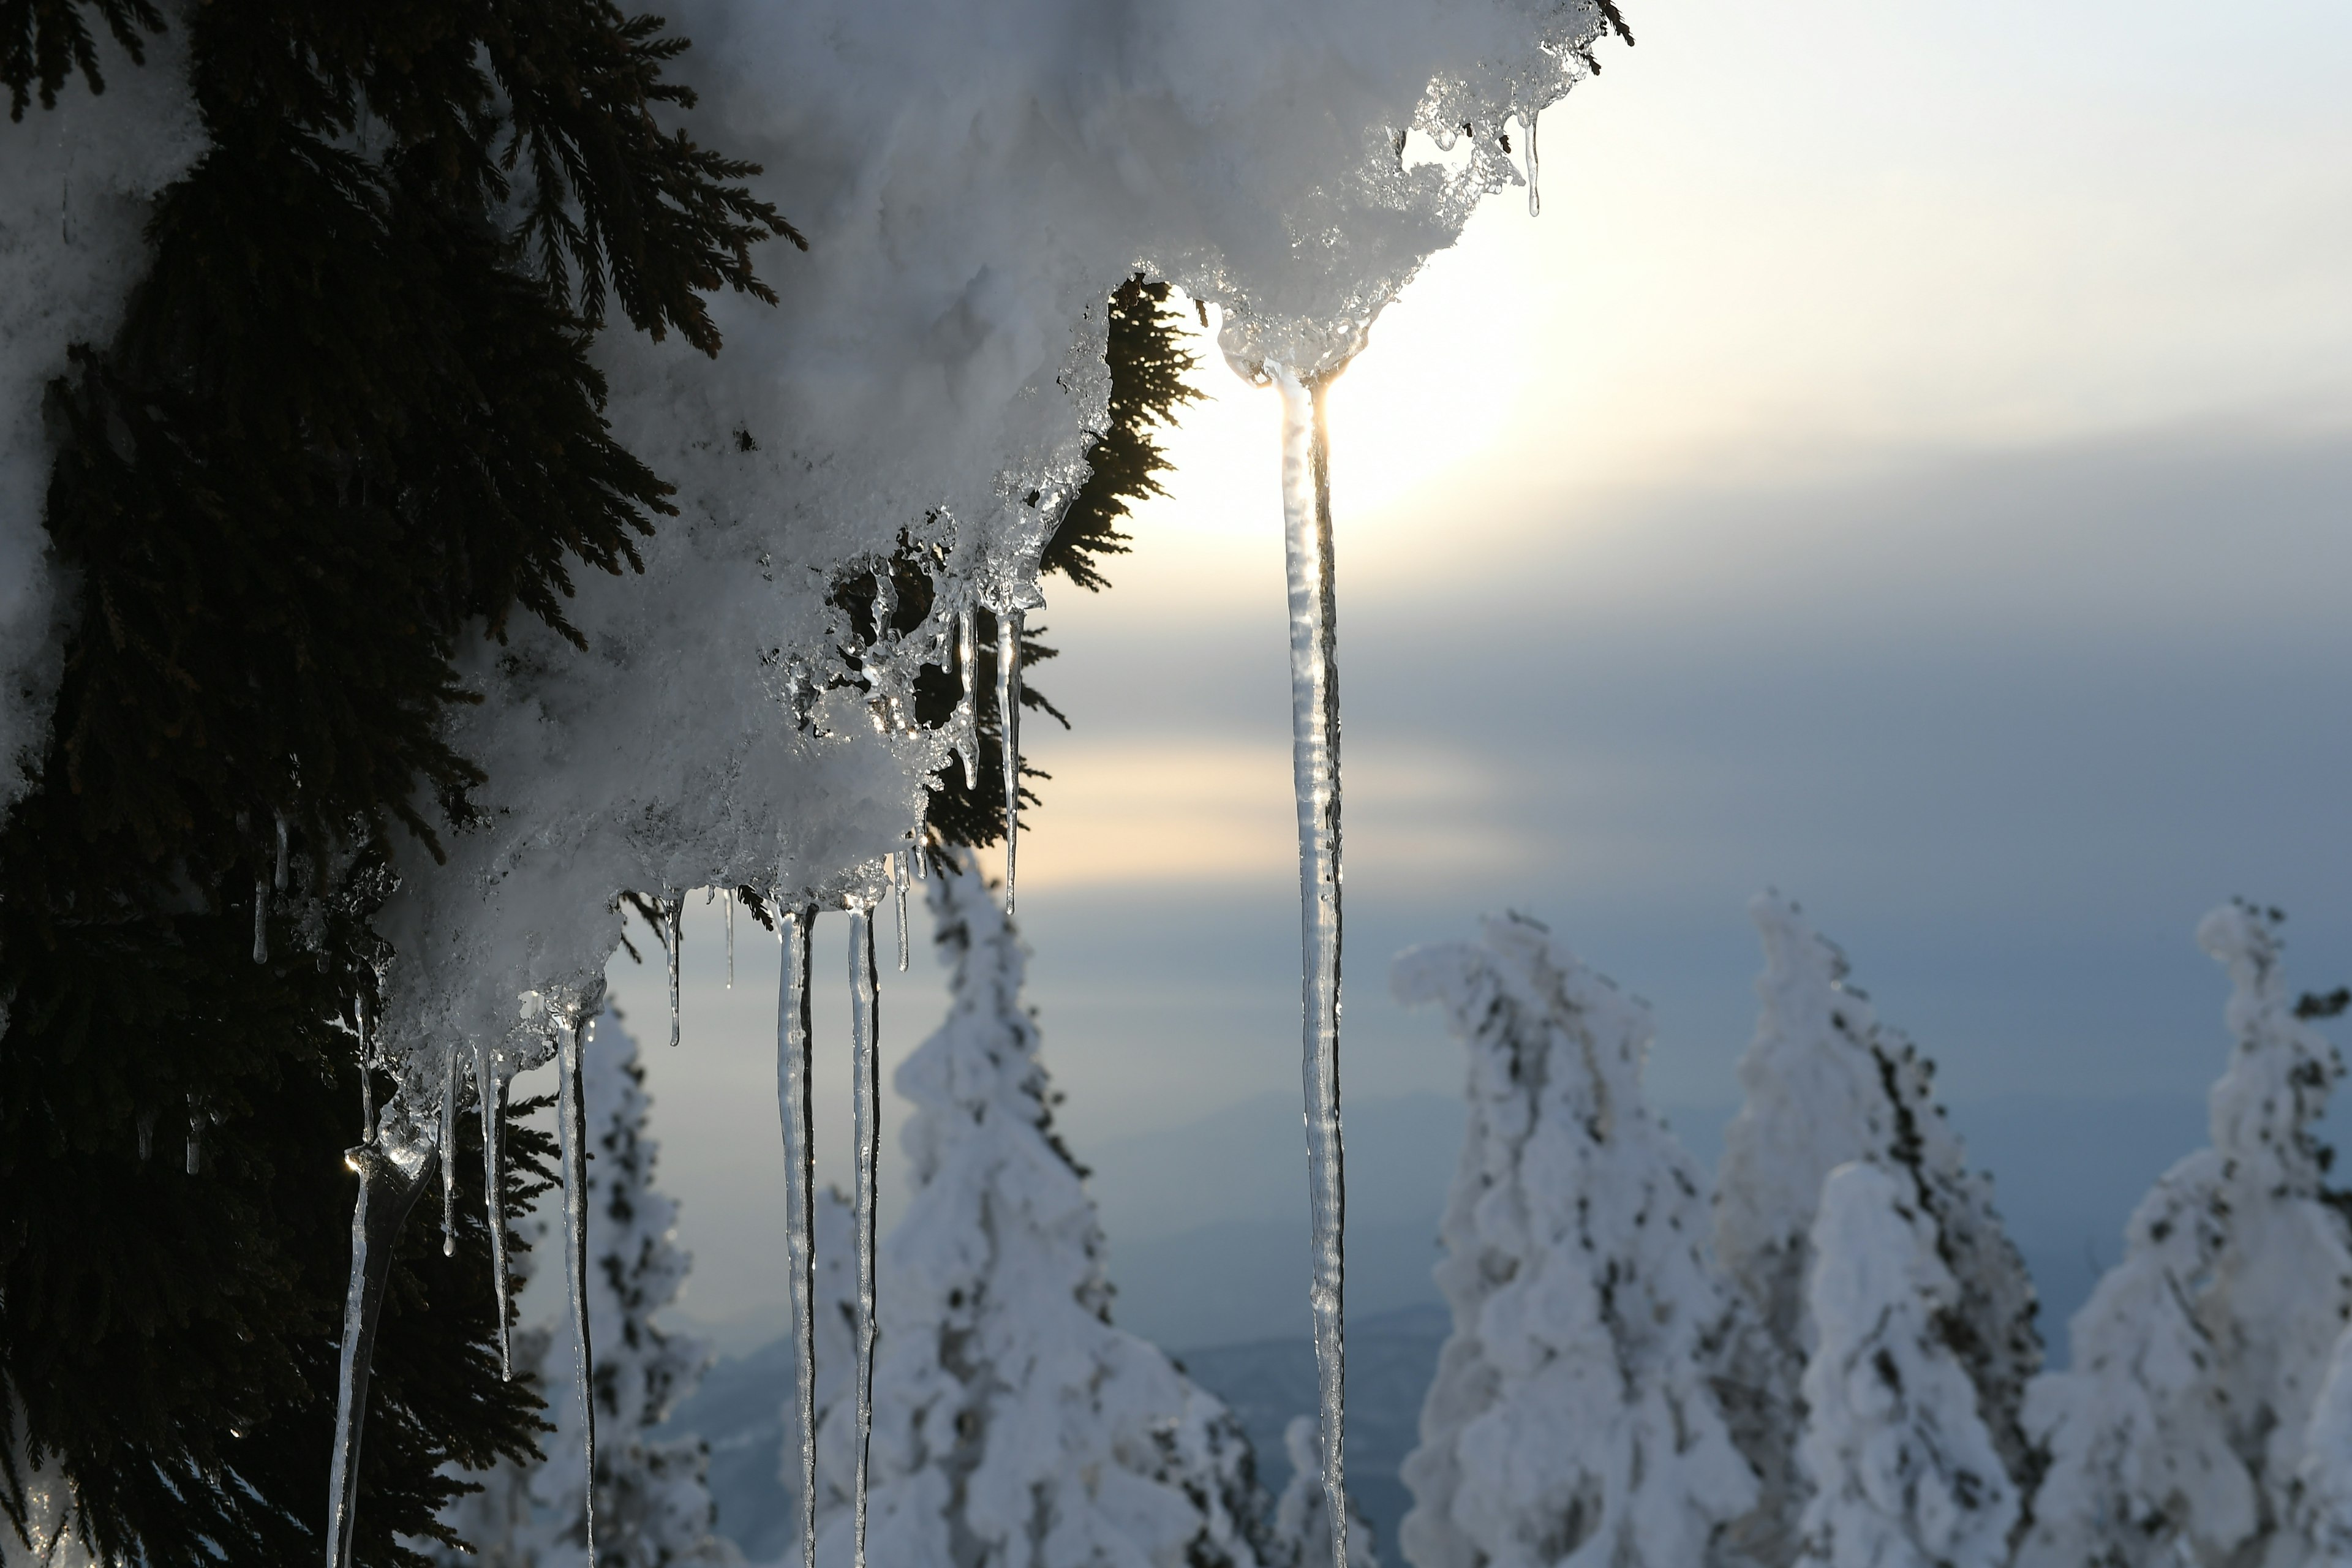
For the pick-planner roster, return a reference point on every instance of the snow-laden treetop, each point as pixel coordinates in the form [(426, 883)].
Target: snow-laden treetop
[(971, 180)]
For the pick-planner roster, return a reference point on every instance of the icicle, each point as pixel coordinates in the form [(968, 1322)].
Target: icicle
[(260, 919), (449, 1155), (964, 727), (1535, 197), (1315, 769), (196, 1136), (864, 1022), (393, 1170), (916, 856), (367, 1077), (795, 1064), (730, 939), (277, 878), (491, 1090), (676, 934), (886, 602), (899, 878), (571, 1123), (1008, 724)]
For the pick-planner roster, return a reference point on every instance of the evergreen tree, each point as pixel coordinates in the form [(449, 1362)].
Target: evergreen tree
[(2324, 1479), (1301, 1536), (2179, 1431), (1826, 1083), (1903, 1470), (1572, 1420), (347, 421), (1014, 1425)]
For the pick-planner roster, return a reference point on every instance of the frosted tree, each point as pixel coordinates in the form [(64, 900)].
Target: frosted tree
[(1301, 1536), (1013, 1423), (2178, 1430), (1902, 1470), (1572, 1420), (1825, 1083), (2325, 1474)]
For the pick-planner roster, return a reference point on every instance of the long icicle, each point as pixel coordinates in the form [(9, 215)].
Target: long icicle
[(677, 913), (866, 1023), (1008, 725), (1315, 768), (572, 1124), (963, 728), (795, 1048), (449, 1155), (899, 878), (491, 1090), (367, 1077), (391, 1172)]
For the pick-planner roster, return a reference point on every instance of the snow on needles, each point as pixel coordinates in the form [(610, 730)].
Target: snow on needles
[(74, 186)]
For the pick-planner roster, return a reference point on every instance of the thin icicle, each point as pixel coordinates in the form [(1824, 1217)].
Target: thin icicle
[(916, 856), (963, 728), (795, 1064), (278, 877), (391, 1172), (1008, 724), (1315, 769), (196, 1136), (572, 1123), (1534, 196), (367, 1077), (730, 939), (260, 919), (491, 1090), (864, 1022), (899, 878), (449, 1155), (886, 602), (677, 913)]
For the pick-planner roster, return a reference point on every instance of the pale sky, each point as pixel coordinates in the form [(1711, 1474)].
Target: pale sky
[(1908, 463)]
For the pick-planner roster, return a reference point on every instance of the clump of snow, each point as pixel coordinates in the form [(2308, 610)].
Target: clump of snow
[(1901, 1467), (74, 184), (972, 181), (1572, 1420), (1011, 1421), (1824, 1083), (2181, 1427)]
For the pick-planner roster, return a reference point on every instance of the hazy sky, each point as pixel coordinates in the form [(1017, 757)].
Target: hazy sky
[(1908, 463)]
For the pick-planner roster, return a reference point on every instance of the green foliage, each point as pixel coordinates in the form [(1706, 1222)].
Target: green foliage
[(1147, 363), (349, 422)]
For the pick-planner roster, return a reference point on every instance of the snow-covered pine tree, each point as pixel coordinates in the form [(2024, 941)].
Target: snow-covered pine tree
[(2323, 1510), (1014, 1425), (1572, 1420), (652, 1510), (1902, 1470), (1301, 1533), (2178, 1433), (1824, 1083)]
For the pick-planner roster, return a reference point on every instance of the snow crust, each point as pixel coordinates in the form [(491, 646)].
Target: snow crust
[(75, 183), (1012, 1423), (2192, 1425), (1903, 1470), (1571, 1421)]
